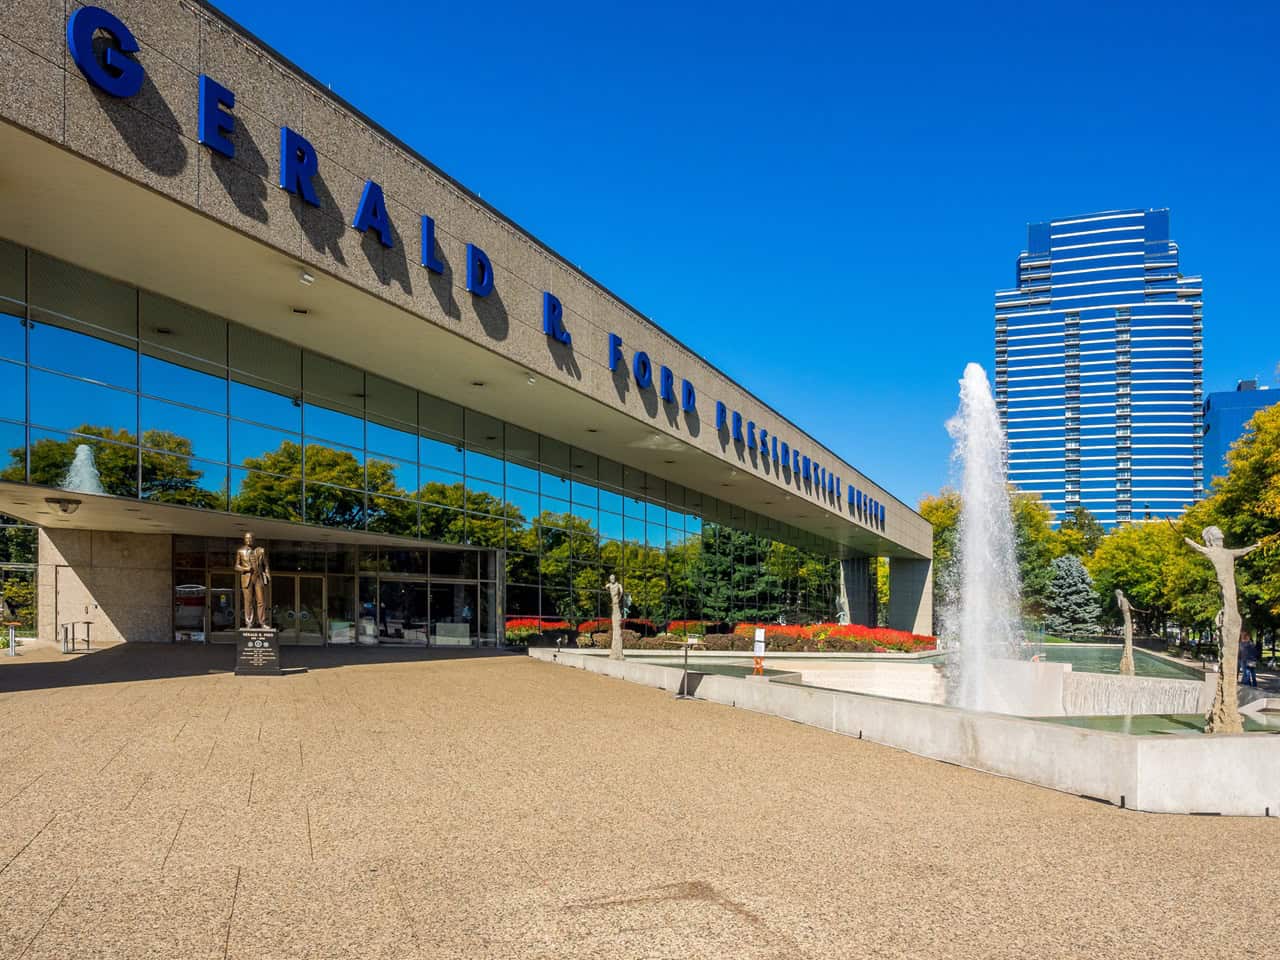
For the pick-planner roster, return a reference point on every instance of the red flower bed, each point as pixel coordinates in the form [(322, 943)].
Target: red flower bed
[(837, 636), (536, 623)]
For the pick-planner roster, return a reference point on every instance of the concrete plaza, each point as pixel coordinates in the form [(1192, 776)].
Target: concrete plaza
[(402, 805)]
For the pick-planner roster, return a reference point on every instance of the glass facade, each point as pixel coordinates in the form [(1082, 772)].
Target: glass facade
[(117, 390), (1099, 368)]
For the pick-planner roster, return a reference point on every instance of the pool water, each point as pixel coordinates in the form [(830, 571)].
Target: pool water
[(1106, 659), (1179, 723)]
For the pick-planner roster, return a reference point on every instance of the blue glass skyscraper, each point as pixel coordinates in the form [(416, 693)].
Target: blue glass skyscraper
[(1098, 368)]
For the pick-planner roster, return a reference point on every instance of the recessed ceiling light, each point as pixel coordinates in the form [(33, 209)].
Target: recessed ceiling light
[(301, 311), (668, 461), (306, 279), (164, 331), (592, 430), (477, 383), (533, 379)]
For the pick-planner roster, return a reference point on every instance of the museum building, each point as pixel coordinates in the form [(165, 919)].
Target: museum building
[(230, 302)]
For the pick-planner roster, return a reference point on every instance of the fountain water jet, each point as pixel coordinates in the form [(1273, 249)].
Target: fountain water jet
[(82, 476), (982, 621)]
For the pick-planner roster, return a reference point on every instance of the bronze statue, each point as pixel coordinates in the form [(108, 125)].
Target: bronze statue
[(255, 576), (1224, 716), (615, 600), (1127, 611)]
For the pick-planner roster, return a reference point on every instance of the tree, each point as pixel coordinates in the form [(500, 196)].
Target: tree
[(882, 591), (1071, 604), (1034, 537), (943, 512), (1079, 534), (1134, 558)]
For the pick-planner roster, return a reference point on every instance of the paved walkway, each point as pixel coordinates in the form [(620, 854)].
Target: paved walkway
[(474, 807)]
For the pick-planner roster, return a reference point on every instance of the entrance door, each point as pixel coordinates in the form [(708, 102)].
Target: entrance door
[(297, 608)]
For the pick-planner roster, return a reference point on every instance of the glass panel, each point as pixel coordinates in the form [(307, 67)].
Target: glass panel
[(265, 495), (176, 326), (459, 564), (442, 524), (440, 487), (390, 401), (484, 497), (189, 552), (555, 454), (487, 622), (610, 473), (190, 602), (13, 271), (329, 463), (73, 292), (83, 407), (484, 433), (334, 506), (311, 610), (402, 612), (282, 606), (610, 526), (399, 441), (341, 608), (521, 444), (264, 357), (518, 475), (267, 449), (394, 516), (404, 561), (332, 380), (99, 467), (453, 614), (13, 391), (341, 558), (222, 602), (485, 531), (79, 350), (521, 505), (522, 601), (611, 501), (340, 426), (182, 430), (555, 486), (483, 466), (192, 483), (13, 337), (584, 495), (394, 477), (488, 561), (439, 416), (443, 454), (523, 568), (369, 622), (297, 556), (168, 376), (266, 403)]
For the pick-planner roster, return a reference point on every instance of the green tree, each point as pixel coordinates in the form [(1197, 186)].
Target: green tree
[(943, 512), (1133, 558), (1034, 537), (1079, 534), (1071, 607), (882, 591)]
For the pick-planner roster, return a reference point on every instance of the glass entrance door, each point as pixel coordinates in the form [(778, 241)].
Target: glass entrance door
[(297, 608)]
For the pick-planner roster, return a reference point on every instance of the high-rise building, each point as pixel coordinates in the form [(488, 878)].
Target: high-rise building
[(1226, 416), (1098, 368)]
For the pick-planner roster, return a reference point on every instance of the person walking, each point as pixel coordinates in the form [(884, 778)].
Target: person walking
[(1248, 661)]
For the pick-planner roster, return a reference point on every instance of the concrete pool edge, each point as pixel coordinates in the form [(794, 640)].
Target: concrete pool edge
[(1235, 775)]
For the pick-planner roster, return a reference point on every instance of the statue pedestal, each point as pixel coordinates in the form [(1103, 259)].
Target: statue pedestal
[(257, 652)]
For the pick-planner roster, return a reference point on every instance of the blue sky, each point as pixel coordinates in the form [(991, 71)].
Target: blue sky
[(822, 198)]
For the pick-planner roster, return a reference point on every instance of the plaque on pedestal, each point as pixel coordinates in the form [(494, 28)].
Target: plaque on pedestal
[(257, 653)]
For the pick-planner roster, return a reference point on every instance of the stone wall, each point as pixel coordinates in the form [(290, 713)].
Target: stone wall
[(121, 583)]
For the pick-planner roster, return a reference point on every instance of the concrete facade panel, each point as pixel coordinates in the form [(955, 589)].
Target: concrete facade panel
[(258, 81), (31, 95), (171, 26), (38, 25), (116, 135)]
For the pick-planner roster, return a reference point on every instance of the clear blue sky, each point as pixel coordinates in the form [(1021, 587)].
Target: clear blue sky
[(821, 198)]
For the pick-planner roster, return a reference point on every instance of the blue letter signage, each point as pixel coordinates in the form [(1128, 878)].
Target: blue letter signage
[(479, 271), (298, 164), (216, 123), (118, 75), (371, 213), (429, 258), (553, 319)]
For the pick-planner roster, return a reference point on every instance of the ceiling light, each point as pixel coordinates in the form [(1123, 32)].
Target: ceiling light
[(301, 311), (532, 378), (592, 430), (164, 331), (65, 505), (306, 279), (477, 383)]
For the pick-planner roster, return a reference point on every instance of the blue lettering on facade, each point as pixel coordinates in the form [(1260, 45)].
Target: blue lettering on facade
[(553, 319), (118, 75), (666, 384), (371, 213), (642, 369), (299, 162), (479, 272), (688, 397), (216, 122), (615, 351), (722, 415), (429, 258)]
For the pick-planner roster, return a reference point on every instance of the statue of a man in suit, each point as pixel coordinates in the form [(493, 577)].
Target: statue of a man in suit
[(251, 564)]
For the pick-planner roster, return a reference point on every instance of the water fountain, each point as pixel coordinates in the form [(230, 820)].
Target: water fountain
[(981, 622), (82, 476)]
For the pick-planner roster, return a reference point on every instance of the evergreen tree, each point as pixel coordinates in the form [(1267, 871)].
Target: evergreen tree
[(1072, 604)]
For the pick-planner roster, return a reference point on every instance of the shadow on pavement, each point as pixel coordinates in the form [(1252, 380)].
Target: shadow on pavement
[(129, 662)]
